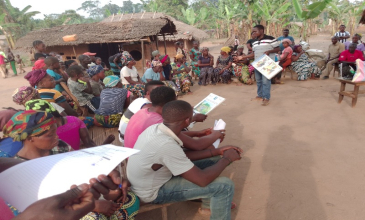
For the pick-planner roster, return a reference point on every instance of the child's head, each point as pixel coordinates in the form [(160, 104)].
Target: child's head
[(17, 56), (47, 82), (75, 72), (98, 60), (39, 45), (52, 63)]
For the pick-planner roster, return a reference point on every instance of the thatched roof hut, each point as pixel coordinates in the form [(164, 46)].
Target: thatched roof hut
[(184, 31), (101, 32)]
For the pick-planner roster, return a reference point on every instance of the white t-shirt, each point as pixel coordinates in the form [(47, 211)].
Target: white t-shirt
[(157, 145), (126, 72), (133, 108)]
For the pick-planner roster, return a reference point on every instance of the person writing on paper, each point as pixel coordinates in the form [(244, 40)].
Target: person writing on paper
[(162, 172), (38, 130), (74, 203), (263, 44)]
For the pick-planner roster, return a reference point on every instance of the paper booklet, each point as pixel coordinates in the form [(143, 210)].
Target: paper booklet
[(32, 180), (218, 125), (266, 66), (208, 104)]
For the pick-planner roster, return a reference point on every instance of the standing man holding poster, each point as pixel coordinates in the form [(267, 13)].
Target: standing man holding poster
[(263, 44)]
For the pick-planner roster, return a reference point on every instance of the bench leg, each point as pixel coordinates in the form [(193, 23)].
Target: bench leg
[(340, 98), (356, 92), (164, 213)]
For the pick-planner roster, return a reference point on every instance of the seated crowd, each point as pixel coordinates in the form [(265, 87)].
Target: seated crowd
[(148, 116)]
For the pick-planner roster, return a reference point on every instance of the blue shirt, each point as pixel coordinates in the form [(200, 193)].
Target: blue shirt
[(55, 76), (150, 74), (280, 39)]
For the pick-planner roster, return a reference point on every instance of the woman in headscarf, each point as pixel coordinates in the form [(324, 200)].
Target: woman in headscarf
[(302, 66), (38, 132), (167, 71), (194, 56), (241, 67), (96, 74), (114, 98), (117, 62), (130, 77), (39, 64), (205, 63), (224, 65), (284, 61), (70, 129), (180, 73), (24, 94)]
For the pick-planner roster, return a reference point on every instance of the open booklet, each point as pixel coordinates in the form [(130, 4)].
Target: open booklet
[(266, 66), (40, 178), (219, 125), (208, 104)]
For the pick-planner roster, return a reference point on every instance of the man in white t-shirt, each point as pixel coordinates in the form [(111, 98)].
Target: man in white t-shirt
[(342, 34), (162, 172), (136, 105)]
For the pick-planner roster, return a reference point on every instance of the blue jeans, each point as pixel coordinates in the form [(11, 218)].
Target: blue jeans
[(263, 85), (217, 196)]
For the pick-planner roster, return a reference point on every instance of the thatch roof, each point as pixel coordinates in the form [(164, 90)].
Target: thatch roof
[(184, 31), (101, 32)]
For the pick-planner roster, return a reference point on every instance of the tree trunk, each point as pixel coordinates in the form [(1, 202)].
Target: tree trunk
[(9, 37)]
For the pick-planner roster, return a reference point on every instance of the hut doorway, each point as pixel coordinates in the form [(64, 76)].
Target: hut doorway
[(104, 50)]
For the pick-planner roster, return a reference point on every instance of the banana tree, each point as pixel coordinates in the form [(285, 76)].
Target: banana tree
[(310, 12), (5, 27)]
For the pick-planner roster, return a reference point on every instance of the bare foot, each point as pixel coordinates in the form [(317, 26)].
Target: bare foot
[(109, 139), (239, 84), (105, 207), (207, 211)]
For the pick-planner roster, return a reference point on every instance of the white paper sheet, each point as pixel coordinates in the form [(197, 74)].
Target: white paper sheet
[(218, 125), (40, 178), (208, 104)]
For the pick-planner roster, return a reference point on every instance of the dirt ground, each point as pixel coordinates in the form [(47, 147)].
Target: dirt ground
[(303, 154)]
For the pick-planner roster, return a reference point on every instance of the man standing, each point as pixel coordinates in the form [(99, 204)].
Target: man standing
[(3, 70), (163, 172), (263, 44), (342, 34), (334, 51), (285, 36)]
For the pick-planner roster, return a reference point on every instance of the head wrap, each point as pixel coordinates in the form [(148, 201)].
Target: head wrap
[(42, 105), (241, 46), (29, 123), (23, 94), (155, 53), (179, 56), (125, 53), (35, 76), (93, 70), (226, 49), (156, 63), (39, 64), (111, 81), (296, 47), (126, 58), (286, 40), (163, 58), (204, 48)]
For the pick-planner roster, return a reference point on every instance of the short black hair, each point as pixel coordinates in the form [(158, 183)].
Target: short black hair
[(152, 83), (260, 27), (162, 95), (342, 25), (82, 57), (37, 42), (69, 62), (286, 29), (49, 61), (177, 110), (74, 71)]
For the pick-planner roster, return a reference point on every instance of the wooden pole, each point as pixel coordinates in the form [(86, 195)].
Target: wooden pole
[(74, 52), (143, 58), (164, 42), (156, 42)]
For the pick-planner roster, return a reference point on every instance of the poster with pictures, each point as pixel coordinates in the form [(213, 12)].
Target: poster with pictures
[(266, 66)]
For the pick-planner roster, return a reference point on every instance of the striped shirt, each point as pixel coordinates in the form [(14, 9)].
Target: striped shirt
[(261, 46), (51, 95), (342, 34), (157, 145), (112, 101)]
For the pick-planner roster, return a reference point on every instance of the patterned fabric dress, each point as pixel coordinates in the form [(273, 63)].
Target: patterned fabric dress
[(181, 80), (222, 63), (241, 71), (137, 89), (304, 68), (196, 54)]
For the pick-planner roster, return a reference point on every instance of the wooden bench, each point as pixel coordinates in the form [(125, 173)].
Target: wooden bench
[(352, 94)]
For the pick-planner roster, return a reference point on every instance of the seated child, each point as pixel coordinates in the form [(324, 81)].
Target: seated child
[(53, 66)]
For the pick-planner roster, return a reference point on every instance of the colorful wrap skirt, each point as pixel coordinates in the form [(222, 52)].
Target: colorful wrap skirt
[(137, 89), (183, 82), (107, 121), (242, 72)]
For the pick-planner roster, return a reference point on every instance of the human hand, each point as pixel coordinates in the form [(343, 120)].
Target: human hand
[(220, 72), (105, 207), (72, 204), (228, 147), (199, 117), (219, 134), (104, 184), (232, 155), (267, 53), (205, 132)]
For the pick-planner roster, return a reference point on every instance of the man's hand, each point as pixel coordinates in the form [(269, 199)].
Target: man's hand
[(105, 184), (199, 117), (204, 132), (225, 148), (267, 53), (73, 204), (220, 134), (231, 155)]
